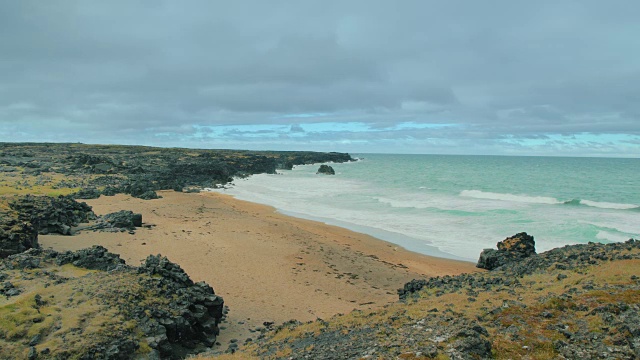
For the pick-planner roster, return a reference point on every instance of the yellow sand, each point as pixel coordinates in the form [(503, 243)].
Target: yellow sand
[(266, 266)]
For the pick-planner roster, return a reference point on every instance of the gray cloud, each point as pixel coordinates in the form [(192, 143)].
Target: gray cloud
[(128, 70)]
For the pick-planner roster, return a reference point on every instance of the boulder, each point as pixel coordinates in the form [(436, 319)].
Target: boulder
[(148, 195), (110, 191), (123, 219), (168, 316), (52, 214), (193, 319), (87, 193), (94, 258), (511, 249), (141, 189), (16, 235), (326, 170)]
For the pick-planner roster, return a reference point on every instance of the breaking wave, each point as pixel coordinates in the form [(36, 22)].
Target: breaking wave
[(477, 194), (546, 200)]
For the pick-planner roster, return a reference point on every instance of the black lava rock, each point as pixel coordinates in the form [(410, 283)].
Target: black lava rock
[(511, 249), (326, 170)]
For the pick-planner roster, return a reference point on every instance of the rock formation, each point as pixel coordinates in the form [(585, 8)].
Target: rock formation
[(511, 249), (154, 311), (16, 235), (87, 193), (326, 170), (52, 214)]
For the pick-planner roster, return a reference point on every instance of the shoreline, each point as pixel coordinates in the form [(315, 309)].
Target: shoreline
[(400, 240), (268, 266), (396, 239)]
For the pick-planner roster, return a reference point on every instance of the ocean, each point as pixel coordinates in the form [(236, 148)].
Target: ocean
[(454, 206)]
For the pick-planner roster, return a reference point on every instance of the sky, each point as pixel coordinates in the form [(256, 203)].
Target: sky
[(558, 78)]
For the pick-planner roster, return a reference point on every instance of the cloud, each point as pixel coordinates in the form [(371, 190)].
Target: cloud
[(125, 71), (296, 128)]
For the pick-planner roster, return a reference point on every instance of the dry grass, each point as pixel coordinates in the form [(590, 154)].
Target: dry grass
[(537, 293), (71, 316)]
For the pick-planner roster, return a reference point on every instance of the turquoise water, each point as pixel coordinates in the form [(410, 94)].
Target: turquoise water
[(455, 206)]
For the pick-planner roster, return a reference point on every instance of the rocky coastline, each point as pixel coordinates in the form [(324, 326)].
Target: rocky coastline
[(151, 311), (78, 171), (88, 171), (578, 301)]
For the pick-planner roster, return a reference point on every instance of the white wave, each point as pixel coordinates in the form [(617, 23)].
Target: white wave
[(609, 236), (607, 205), (355, 200), (619, 223), (477, 194), (396, 203)]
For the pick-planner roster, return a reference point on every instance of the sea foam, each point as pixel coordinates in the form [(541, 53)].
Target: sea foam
[(436, 201), (509, 197)]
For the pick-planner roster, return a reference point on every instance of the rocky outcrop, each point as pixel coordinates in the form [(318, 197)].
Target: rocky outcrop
[(141, 171), (142, 189), (123, 219), (511, 249), (16, 235), (562, 319), (52, 214), (567, 258), (110, 191), (326, 170), (192, 320), (119, 221), (22, 218), (510, 312), (148, 195), (87, 193), (154, 311), (94, 258)]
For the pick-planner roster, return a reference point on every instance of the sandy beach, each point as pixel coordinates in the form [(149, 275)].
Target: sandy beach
[(267, 266)]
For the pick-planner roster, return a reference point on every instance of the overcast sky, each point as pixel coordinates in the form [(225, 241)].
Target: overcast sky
[(457, 77)]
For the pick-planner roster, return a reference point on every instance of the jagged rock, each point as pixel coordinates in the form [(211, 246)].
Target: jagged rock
[(52, 215), (511, 249), (24, 260), (473, 344), (166, 311), (123, 219), (94, 258), (118, 221), (110, 191), (521, 245), (88, 193), (326, 170), (200, 317), (138, 170), (142, 189), (160, 265), (411, 287), (16, 235), (8, 289), (148, 195)]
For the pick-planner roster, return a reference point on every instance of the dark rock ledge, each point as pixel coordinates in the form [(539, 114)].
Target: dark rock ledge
[(170, 315)]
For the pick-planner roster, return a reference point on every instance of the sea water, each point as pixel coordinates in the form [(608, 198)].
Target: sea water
[(455, 206)]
